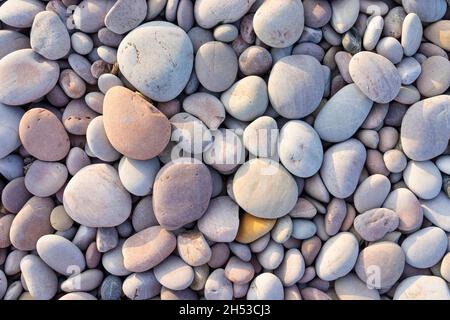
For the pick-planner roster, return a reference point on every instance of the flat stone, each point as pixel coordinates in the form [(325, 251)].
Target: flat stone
[(26, 77), (296, 86), (279, 25), (341, 173), (251, 182), (252, 228), (94, 197), (60, 254), (220, 222), (337, 256), (175, 69), (425, 248), (368, 67)]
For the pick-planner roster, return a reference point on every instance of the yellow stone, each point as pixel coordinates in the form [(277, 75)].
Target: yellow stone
[(26, 296), (439, 34), (252, 228)]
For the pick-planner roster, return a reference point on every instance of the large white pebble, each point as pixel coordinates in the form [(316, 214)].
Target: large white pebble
[(247, 99), (251, 185), (266, 286), (343, 114), (422, 288), (345, 13), (49, 36), (9, 129), (296, 86), (279, 24), (26, 76), (424, 248), (95, 197), (300, 149), (20, 13), (159, 68), (209, 13), (337, 256), (423, 178), (261, 137)]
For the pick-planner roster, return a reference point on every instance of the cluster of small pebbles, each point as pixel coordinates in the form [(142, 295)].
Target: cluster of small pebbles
[(112, 179)]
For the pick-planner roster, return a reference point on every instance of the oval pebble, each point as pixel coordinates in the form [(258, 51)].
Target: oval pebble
[(44, 179), (95, 197), (296, 86), (374, 224), (292, 268), (428, 12), (9, 129), (279, 25), (218, 287), (423, 178), (371, 193), (209, 13), (437, 211), (18, 86), (41, 281), (141, 286), (251, 182), (425, 248), (407, 207), (137, 176), (172, 75), (370, 68), (351, 288), (20, 13), (345, 13), (174, 274), (435, 76), (266, 286), (337, 256), (422, 287)]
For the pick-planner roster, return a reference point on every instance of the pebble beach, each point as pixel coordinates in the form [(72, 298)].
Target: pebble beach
[(224, 150)]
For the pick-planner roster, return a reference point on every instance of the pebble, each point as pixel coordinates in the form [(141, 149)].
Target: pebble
[(422, 288), (92, 256), (252, 228), (205, 107), (345, 13), (377, 186), (336, 212), (44, 179), (239, 272), (317, 13), (12, 263), (9, 129), (340, 174), (220, 222), (332, 123), (434, 33), (393, 22), (5, 226), (429, 12), (173, 208), (424, 135), (247, 99), (89, 15), (252, 180), (174, 274), (412, 32), (49, 36), (303, 229), (218, 287), (126, 15), (95, 197), (12, 41), (408, 208), (78, 296), (106, 239), (391, 49), (373, 32), (98, 143), (261, 137), (279, 25), (435, 77), (18, 87), (20, 13), (409, 70), (137, 176), (381, 264), (255, 60), (85, 281), (266, 286), (437, 211), (143, 216), (209, 13), (423, 178), (76, 160), (374, 224), (226, 33), (425, 248), (368, 67), (296, 86), (147, 248), (216, 66), (337, 256), (443, 163), (282, 230), (41, 281), (445, 267), (272, 256), (292, 268), (193, 248), (351, 288), (147, 122), (81, 43), (190, 133), (43, 136), (114, 261), (169, 80), (107, 80), (141, 286), (300, 149), (30, 223)]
